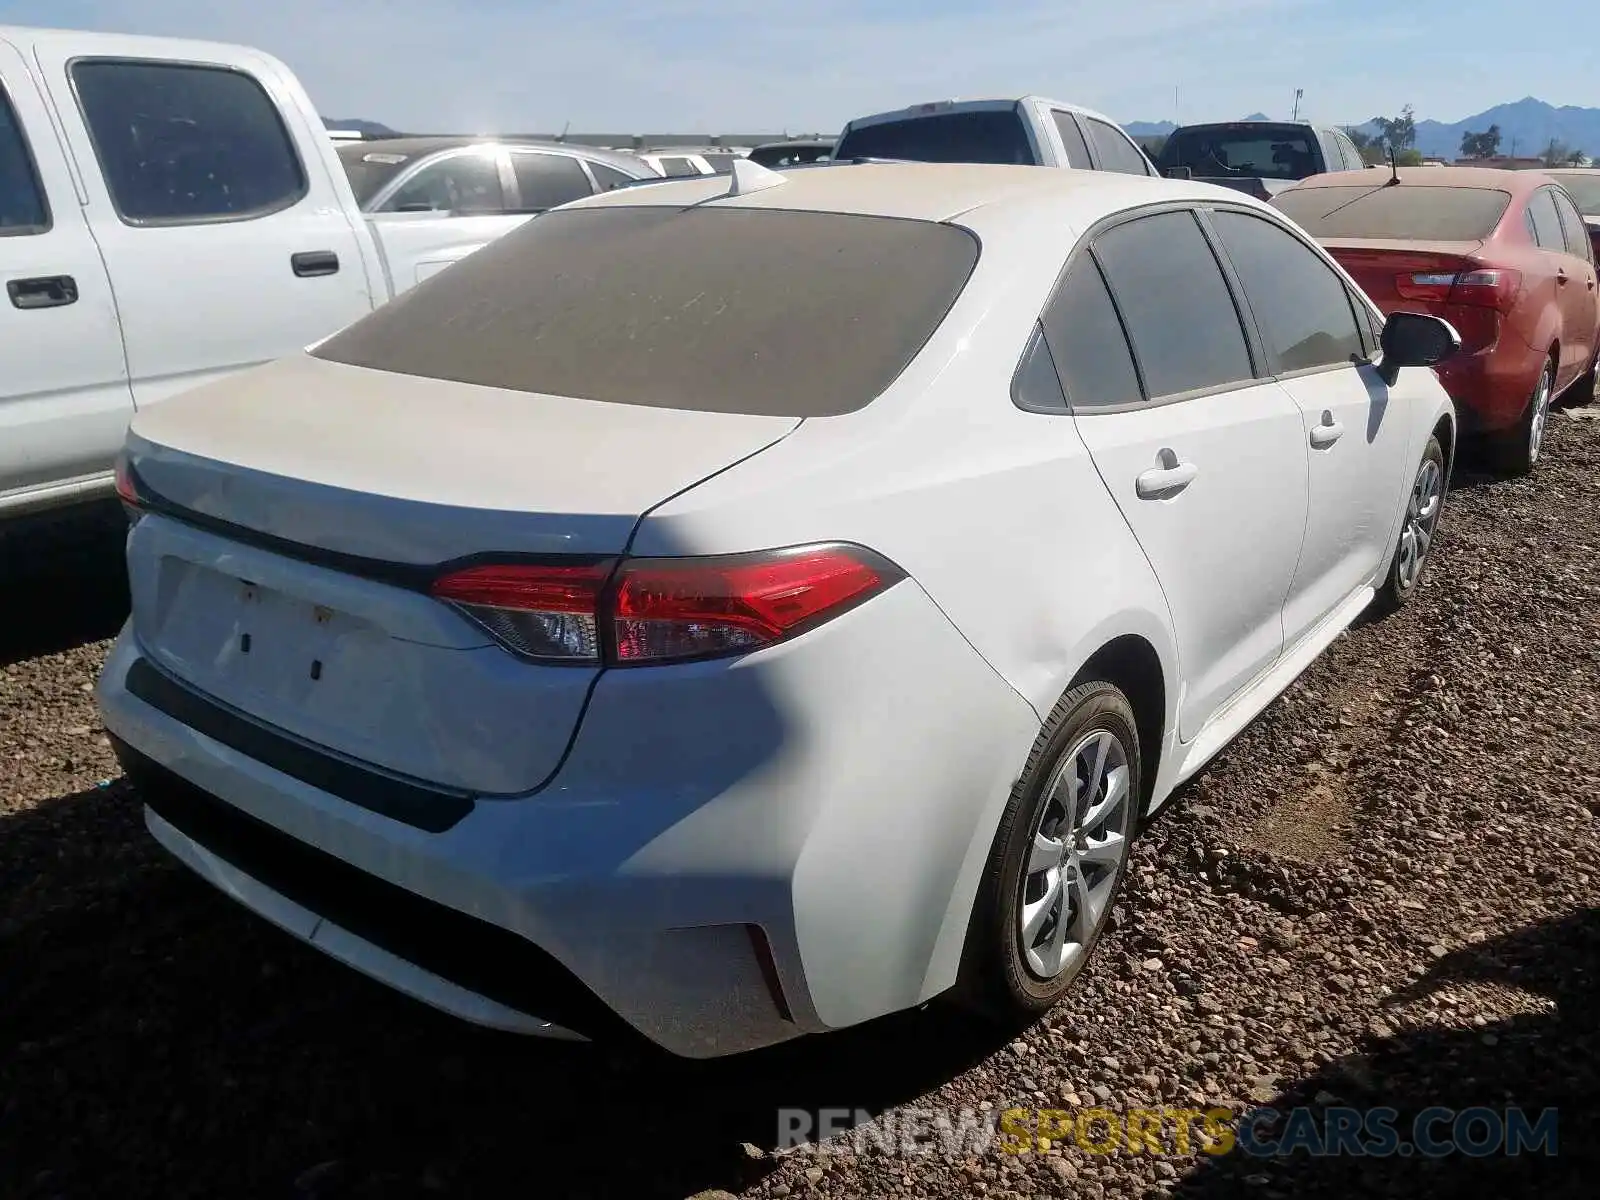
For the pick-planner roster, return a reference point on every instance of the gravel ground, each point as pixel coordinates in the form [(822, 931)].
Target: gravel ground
[(1386, 892)]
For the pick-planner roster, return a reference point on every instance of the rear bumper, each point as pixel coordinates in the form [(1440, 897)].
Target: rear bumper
[(1492, 389), (731, 856)]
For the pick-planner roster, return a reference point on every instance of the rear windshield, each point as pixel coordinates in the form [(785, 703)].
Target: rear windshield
[(1584, 190), (759, 311), (1399, 213), (980, 136), (369, 169), (1258, 152)]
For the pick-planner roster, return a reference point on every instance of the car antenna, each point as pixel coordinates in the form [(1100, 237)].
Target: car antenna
[(1394, 168), (749, 176)]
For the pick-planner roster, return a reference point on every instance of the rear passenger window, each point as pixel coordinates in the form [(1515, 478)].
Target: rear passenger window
[(1301, 306), (22, 206), (1175, 303), (467, 184), (1544, 222), (1116, 152), (546, 180), (183, 143), (608, 177), (1087, 343), (1572, 226), (1072, 139)]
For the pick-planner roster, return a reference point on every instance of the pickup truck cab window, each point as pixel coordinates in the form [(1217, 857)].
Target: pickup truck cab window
[(1072, 140), (465, 181), (180, 143), (1115, 151), (22, 205)]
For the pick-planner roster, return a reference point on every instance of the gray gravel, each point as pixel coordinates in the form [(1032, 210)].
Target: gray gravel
[(1386, 892)]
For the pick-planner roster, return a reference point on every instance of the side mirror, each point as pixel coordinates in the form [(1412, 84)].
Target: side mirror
[(1414, 340), (1179, 173)]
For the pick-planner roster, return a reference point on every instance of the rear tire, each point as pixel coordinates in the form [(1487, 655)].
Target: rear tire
[(1516, 451), (1418, 528), (1058, 858)]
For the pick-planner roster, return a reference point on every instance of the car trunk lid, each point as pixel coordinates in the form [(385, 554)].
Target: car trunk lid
[(1418, 277)]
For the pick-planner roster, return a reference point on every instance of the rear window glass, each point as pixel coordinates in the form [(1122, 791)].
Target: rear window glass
[(1397, 213), (720, 310), (1256, 152), (982, 136), (1585, 189)]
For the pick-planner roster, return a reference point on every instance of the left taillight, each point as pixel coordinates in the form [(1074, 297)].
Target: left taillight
[(128, 488), (643, 612)]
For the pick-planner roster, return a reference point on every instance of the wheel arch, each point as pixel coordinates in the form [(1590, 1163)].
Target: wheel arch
[(1131, 663)]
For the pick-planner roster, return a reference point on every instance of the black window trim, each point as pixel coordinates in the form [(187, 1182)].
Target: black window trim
[(1243, 297), (31, 163), (180, 222)]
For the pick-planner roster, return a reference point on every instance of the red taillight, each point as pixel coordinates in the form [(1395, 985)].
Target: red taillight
[(1490, 287), (128, 484), (664, 610)]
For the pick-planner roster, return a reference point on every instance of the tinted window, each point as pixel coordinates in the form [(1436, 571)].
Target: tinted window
[(608, 177), (678, 167), (1573, 227), (457, 183), (1175, 304), (1250, 151), (1116, 152), (1415, 213), (721, 310), (1037, 386), (1087, 342), (1301, 306), (1544, 222), (722, 164), (546, 180), (979, 136), (1585, 189), (179, 143), (1072, 139), (22, 206), (369, 170)]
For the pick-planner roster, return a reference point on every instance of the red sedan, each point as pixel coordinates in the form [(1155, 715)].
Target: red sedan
[(1502, 255)]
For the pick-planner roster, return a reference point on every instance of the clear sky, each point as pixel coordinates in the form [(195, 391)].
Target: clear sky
[(708, 66)]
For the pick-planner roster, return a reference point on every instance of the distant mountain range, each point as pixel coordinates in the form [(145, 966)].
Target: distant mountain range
[(1526, 127)]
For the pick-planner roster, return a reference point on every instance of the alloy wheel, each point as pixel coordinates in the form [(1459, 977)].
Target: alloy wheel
[(1076, 855), (1422, 514), (1541, 410)]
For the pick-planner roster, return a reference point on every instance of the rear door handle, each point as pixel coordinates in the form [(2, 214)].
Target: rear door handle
[(1166, 480), (45, 291), (1327, 433), (314, 262), (1561, 275)]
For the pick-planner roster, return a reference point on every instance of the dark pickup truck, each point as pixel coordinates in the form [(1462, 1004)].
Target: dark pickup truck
[(1260, 158)]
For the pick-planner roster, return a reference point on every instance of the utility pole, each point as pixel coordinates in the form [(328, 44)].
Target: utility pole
[(1298, 92)]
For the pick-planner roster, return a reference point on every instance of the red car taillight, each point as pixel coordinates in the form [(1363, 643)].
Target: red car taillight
[(1490, 287), (128, 488), (650, 611)]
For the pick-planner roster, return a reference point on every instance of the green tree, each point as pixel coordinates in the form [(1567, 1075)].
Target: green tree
[(1368, 145), (1398, 133), (1557, 153), (1481, 145)]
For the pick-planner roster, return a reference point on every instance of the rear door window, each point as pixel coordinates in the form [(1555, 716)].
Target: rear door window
[(466, 183), (761, 311), (1072, 139), (1545, 223), (1301, 306), (1175, 304), (1116, 152), (546, 180), (22, 204), (1572, 226), (179, 143)]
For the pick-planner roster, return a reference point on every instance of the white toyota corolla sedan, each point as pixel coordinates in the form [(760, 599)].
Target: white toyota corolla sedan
[(746, 606)]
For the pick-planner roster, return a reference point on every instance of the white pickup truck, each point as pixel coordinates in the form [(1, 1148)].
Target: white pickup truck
[(170, 212)]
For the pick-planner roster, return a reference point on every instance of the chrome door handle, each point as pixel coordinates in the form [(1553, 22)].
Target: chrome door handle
[(1327, 433), (1167, 480)]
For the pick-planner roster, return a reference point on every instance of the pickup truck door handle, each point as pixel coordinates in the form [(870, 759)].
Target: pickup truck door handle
[(46, 291), (1170, 478), (1327, 433), (314, 262)]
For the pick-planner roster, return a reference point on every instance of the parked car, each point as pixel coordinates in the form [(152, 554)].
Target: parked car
[(1583, 185), (1031, 130), (811, 705), (676, 164), (1260, 158), (173, 211), (1502, 255), (795, 153)]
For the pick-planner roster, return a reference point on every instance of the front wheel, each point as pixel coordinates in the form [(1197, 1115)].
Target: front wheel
[(1517, 449), (1424, 506), (1058, 858)]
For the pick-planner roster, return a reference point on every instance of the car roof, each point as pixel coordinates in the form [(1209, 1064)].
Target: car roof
[(926, 191), (796, 144), (421, 146), (931, 108), (1483, 178)]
